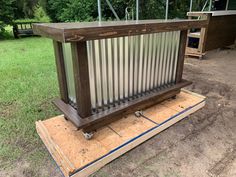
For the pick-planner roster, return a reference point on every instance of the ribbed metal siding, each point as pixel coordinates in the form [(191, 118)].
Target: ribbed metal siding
[(66, 47), (128, 67)]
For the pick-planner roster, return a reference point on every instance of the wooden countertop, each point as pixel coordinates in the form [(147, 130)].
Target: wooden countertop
[(71, 32)]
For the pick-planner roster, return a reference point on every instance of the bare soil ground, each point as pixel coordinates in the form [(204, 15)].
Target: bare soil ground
[(202, 145)]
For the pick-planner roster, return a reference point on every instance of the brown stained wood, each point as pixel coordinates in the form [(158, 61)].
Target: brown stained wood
[(81, 76), (61, 71), (107, 119), (204, 33), (71, 32), (53, 33), (79, 33), (221, 31), (181, 54), (97, 120)]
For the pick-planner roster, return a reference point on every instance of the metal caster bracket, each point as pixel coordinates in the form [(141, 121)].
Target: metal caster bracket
[(138, 113), (88, 136)]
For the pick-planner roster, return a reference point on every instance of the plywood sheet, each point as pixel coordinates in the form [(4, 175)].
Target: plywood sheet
[(80, 157)]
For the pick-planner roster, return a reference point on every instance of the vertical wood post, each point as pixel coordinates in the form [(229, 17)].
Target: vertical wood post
[(81, 76), (181, 54), (205, 31), (61, 74)]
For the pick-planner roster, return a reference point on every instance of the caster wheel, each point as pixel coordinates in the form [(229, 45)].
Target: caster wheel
[(65, 118), (138, 113), (88, 136)]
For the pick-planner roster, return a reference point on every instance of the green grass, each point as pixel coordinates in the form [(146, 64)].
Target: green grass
[(28, 84)]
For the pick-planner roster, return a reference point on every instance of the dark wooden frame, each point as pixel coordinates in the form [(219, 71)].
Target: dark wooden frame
[(78, 34)]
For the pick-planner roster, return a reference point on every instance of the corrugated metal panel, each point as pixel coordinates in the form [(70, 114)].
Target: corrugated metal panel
[(69, 71), (123, 68)]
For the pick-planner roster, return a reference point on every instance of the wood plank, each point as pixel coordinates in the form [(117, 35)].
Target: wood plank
[(181, 54), (97, 120), (71, 32), (100, 163), (65, 165), (194, 52), (194, 34), (81, 76), (108, 143), (130, 126), (221, 32)]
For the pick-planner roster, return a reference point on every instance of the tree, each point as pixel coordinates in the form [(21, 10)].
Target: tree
[(178, 8), (54, 8), (81, 10), (71, 10), (40, 15), (6, 11), (6, 14), (152, 9), (25, 8)]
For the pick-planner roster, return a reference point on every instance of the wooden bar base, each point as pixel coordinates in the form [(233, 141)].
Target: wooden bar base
[(105, 117), (79, 157)]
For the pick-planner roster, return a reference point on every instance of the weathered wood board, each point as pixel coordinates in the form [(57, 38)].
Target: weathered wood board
[(78, 157)]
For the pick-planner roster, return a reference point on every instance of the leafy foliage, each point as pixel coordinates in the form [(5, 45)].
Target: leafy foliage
[(40, 15), (152, 9), (24, 8), (6, 15), (54, 8), (6, 11), (78, 10), (86, 10)]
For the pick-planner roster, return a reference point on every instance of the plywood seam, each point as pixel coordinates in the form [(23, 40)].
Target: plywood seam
[(83, 171), (133, 139)]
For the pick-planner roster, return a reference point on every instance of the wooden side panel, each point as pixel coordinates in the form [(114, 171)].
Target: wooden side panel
[(221, 31), (61, 74), (81, 76), (182, 47), (97, 120)]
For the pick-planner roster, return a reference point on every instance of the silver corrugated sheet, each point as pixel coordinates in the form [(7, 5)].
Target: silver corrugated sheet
[(69, 71), (124, 68)]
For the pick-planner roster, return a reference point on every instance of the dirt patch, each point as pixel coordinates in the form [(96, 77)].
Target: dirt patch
[(7, 109), (195, 146), (25, 168), (223, 163)]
